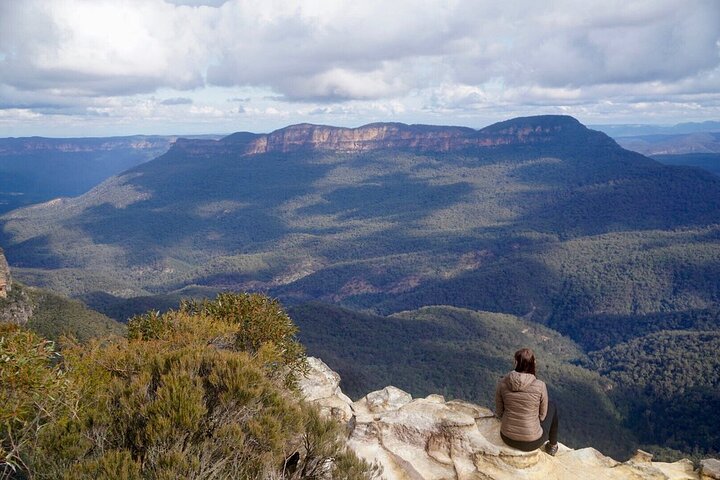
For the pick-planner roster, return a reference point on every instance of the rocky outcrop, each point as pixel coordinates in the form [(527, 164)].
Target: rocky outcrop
[(5, 280), (710, 469), (375, 136), (16, 308), (431, 438), (368, 137)]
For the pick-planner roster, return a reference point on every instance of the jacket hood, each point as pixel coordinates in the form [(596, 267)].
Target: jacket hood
[(517, 381)]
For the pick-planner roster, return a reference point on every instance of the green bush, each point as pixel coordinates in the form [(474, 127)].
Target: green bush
[(263, 329), (191, 393), (34, 391)]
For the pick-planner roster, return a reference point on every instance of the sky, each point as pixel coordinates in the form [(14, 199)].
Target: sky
[(121, 67)]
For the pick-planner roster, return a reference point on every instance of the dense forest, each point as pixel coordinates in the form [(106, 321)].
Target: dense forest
[(668, 383)]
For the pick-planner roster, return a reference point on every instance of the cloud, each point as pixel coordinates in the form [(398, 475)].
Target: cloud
[(197, 3), (100, 47), (349, 50), (438, 56), (177, 101)]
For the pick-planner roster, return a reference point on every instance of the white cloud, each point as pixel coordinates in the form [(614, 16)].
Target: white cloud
[(100, 47), (423, 57)]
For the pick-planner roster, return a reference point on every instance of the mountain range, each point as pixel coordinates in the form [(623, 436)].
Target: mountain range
[(538, 218), (36, 169), (632, 130), (700, 149)]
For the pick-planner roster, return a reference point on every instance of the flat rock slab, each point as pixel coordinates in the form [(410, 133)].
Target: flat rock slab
[(434, 439)]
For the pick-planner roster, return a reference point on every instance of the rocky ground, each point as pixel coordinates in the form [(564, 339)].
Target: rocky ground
[(434, 439)]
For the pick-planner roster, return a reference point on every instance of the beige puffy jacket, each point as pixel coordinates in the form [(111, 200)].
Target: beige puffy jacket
[(521, 401)]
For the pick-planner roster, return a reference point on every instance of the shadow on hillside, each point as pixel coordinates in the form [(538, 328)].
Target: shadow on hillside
[(171, 222), (36, 252), (622, 192), (168, 223), (594, 332), (146, 232), (397, 197), (517, 285)]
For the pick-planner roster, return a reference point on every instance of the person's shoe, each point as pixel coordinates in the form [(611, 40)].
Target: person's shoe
[(551, 449)]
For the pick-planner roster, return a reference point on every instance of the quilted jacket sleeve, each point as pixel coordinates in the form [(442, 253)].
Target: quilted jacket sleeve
[(499, 405), (543, 402)]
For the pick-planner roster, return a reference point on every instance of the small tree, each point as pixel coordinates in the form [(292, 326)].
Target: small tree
[(263, 329)]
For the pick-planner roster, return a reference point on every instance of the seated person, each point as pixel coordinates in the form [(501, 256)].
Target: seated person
[(521, 402)]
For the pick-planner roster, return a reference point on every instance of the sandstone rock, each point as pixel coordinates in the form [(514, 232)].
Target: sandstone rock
[(376, 136), (15, 309), (5, 280), (322, 386), (389, 398), (710, 469), (433, 439), (641, 456)]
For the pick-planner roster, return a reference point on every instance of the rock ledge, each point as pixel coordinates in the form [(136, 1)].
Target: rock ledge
[(434, 439)]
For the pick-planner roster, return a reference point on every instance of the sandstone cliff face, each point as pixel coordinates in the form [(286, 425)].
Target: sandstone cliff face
[(368, 137), (5, 280), (530, 130), (431, 438), (16, 308)]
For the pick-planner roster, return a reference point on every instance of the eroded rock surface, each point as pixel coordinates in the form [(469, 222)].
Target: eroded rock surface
[(5, 280), (434, 439), (375, 136)]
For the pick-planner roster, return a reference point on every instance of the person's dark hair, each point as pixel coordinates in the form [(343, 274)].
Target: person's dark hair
[(525, 361)]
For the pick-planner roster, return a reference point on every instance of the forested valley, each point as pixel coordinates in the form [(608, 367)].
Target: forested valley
[(426, 265)]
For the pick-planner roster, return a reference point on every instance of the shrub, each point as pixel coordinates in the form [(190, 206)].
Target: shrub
[(35, 392), (192, 393), (263, 329)]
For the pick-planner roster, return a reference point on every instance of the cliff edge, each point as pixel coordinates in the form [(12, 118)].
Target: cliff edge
[(544, 129), (433, 439), (5, 280)]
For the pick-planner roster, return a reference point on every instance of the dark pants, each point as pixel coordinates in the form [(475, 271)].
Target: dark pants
[(549, 428)]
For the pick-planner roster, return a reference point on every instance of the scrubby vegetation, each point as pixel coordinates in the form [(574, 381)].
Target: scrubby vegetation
[(204, 391)]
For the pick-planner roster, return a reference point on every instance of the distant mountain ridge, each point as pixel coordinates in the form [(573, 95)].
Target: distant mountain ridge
[(651, 145), (38, 169), (700, 149), (19, 145), (376, 136), (628, 130)]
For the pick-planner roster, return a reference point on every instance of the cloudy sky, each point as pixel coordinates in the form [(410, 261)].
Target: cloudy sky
[(116, 67)]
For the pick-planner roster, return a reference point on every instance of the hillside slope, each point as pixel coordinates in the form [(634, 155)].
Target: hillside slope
[(320, 212), (49, 314), (52, 316)]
